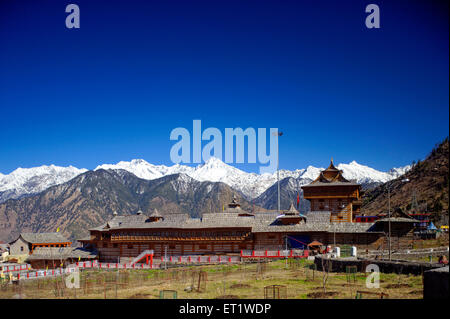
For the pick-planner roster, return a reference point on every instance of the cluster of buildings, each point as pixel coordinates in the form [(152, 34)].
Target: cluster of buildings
[(335, 208)]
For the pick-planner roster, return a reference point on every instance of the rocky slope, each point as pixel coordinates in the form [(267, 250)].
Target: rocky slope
[(90, 199), (427, 181)]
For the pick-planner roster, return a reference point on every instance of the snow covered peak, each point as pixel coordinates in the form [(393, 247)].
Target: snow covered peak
[(311, 172), (32, 180), (398, 171), (250, 184), (365, 174), (214, 162), (138, 167), (24, 181)]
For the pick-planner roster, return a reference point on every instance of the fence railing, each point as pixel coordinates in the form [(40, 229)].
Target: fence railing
[(11, 268), (25, 272), (292, 253)]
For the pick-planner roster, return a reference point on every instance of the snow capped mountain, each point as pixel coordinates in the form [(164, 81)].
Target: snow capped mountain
[(145, 170), (251, 184), (396, 172), (26, 181)]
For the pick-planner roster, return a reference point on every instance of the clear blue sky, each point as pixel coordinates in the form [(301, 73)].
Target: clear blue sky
[(115, 88)]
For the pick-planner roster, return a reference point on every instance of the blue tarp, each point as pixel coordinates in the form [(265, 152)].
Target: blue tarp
[(299, 242), (431, 226)]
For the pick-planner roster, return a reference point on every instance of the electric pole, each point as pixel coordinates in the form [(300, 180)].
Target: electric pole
[(278, 134)]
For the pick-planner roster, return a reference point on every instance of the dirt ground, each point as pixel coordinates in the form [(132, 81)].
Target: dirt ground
[(272, 280)]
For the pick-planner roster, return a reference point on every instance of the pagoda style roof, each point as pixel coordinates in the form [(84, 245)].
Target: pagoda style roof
[(331, 167), (156, 214), (291, 216), (331, 177), (292, 211), (235, 207)]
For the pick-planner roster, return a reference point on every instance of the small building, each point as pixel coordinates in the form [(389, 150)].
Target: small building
[(27, 242), (401, 230), (55, 257), (330, 191), (292, 216)]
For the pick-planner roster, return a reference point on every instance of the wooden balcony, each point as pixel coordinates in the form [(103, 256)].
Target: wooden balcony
[(146, 238)]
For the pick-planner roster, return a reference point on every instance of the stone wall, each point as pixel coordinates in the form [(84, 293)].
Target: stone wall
[(386, 266)]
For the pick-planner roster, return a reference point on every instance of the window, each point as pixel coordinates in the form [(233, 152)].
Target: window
[(21, 248), (130, 246), (171, 246), (202, 246), (115, 245)]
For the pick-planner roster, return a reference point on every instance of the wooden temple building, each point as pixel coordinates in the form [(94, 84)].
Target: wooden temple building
[(234, 230), (330, 191), (335, 202)]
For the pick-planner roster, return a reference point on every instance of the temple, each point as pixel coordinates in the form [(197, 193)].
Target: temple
[(332, 192), (222, 233)]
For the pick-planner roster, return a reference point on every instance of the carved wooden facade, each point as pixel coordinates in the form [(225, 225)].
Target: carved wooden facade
[(330, 191)]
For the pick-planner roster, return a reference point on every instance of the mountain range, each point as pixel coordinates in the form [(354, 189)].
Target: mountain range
[(77, 199), (91, 198), (29, 181)]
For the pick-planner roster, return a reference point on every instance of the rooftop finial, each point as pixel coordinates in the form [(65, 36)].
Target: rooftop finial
[(115, 213)]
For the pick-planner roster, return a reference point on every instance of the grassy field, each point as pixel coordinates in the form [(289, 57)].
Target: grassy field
[(430, 243), (297, 281)]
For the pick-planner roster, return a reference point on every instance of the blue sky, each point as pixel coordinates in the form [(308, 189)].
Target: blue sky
[(115, 88)]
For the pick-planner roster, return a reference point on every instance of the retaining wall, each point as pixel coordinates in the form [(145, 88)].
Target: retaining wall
[(386, 266)]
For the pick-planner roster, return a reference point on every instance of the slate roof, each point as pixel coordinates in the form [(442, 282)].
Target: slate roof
[(318, 183), (318, 216), (398, 220), (260, 222), (55, 253), (44, 238)]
